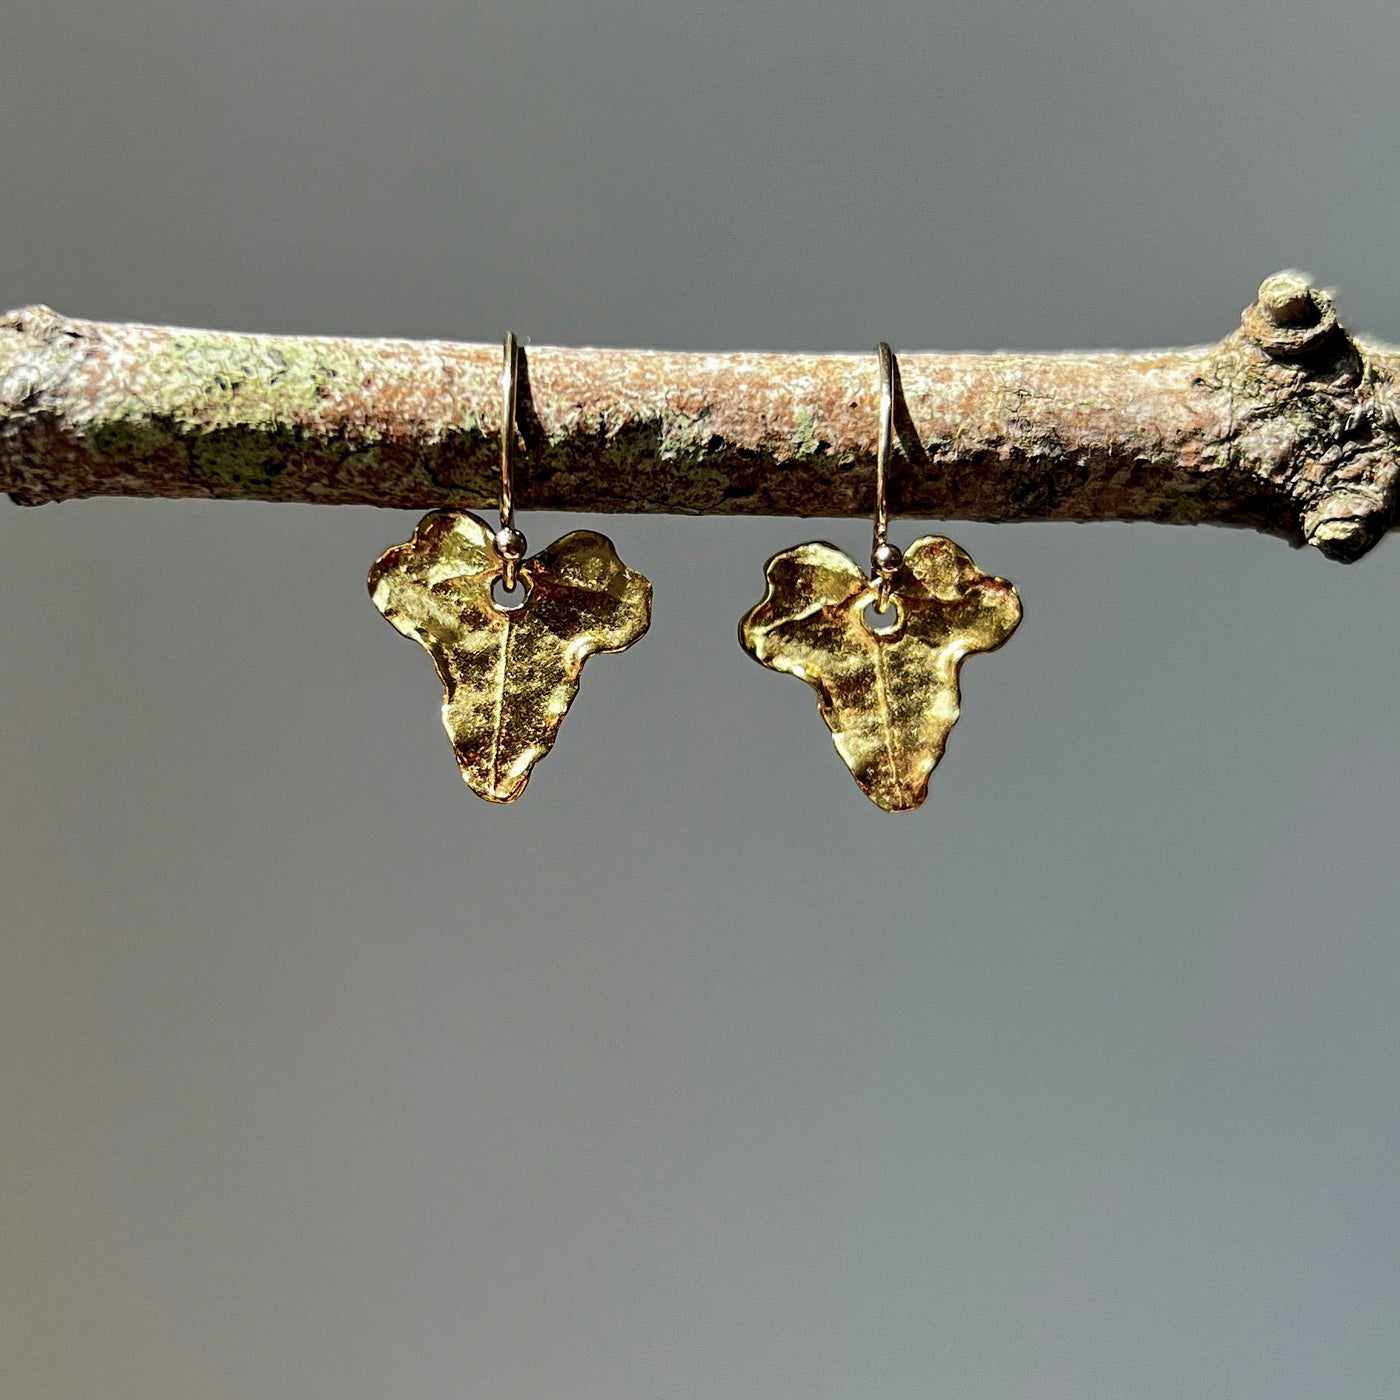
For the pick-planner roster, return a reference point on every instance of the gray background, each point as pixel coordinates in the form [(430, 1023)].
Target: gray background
[(694, 1075)]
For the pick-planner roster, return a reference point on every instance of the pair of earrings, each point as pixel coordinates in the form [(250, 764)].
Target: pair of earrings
[(509, 634)]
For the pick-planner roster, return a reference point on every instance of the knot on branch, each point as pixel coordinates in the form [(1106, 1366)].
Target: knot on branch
[(1291, 318), (1315, 417)]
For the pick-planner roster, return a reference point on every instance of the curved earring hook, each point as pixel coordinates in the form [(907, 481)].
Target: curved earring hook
[(885, 559), (509, 542)]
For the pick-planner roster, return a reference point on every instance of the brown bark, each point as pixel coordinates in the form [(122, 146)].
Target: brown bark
[(1288, 425)]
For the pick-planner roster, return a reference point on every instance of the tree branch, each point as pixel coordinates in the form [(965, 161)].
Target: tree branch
[(1288, 425)]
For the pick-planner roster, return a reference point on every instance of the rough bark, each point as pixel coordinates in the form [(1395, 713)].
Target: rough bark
[(1288, 425)]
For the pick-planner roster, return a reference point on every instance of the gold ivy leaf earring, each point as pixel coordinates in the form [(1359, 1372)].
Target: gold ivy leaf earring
[(888, 691), (509, 666)]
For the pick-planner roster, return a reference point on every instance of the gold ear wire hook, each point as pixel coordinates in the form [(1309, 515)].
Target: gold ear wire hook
[(508, 541), (885, 559)]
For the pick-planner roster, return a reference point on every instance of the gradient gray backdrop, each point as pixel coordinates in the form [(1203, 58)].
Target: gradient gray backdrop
[(694, 1075)]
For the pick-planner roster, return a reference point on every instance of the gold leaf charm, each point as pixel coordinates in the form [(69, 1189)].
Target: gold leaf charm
[(889, 697), (509, 674)]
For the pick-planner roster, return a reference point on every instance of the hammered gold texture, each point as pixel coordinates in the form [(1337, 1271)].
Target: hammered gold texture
[(508, 675), (889, 698)]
